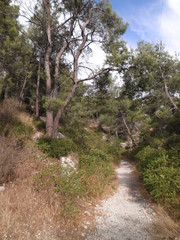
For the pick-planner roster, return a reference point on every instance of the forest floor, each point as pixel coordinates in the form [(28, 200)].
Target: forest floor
[(129, 214)]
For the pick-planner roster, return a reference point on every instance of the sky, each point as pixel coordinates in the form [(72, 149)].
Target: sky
[(151, 20)]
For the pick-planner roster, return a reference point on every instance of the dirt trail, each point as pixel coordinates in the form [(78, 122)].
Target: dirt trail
[(128, 215)]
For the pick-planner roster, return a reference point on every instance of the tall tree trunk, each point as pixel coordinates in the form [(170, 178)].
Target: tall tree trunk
[(62, 109), (37, 86), (49, 112), (3, 91), (56, 74), (21, 96), (127, 128)]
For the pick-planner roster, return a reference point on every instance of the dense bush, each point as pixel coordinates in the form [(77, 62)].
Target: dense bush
[(87, 140), (160, 170), (173, 141), (56, 147), (77, 133), (40, 125)]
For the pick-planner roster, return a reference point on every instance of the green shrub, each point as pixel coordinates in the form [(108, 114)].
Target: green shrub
[(160, 171), (40, 125), (164, 184), (77, 134), (146, 156), (95, 169), (87, 140), (115, 152), (56, 147), (99, 154), (173, 141)]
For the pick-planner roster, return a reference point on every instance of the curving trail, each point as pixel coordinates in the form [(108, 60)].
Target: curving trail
[(127, 214)]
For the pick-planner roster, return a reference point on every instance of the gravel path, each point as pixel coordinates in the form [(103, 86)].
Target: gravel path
[(127, 214)]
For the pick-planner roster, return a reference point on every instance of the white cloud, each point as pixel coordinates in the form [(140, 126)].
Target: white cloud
[(169, 26), (174, 5), (145, 21), (158, 21)]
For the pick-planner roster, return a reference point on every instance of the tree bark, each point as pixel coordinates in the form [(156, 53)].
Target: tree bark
[(62, 109), (37, 86), (21, 95), (49, 112), (169, 97), (167, 92), (127, 128)]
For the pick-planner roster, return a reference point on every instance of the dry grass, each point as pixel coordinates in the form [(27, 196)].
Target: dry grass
[(25, 118), (25, 212), (10, 155), (164, 225), (32, 214), (9, 107), (24, 215), (15, 128)]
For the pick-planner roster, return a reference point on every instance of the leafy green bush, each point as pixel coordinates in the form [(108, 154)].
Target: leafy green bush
[(40, 125), (115, 153), (164, 184), (160, 170), (94, 172), (146, 156), (77, 134), (173, 141), (56, 147), (87, 140)]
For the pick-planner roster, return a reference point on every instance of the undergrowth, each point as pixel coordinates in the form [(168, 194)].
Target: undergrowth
[(56, 148), (160, 170), (94, 170), (10, 122), (13, 135), (95, 155)]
